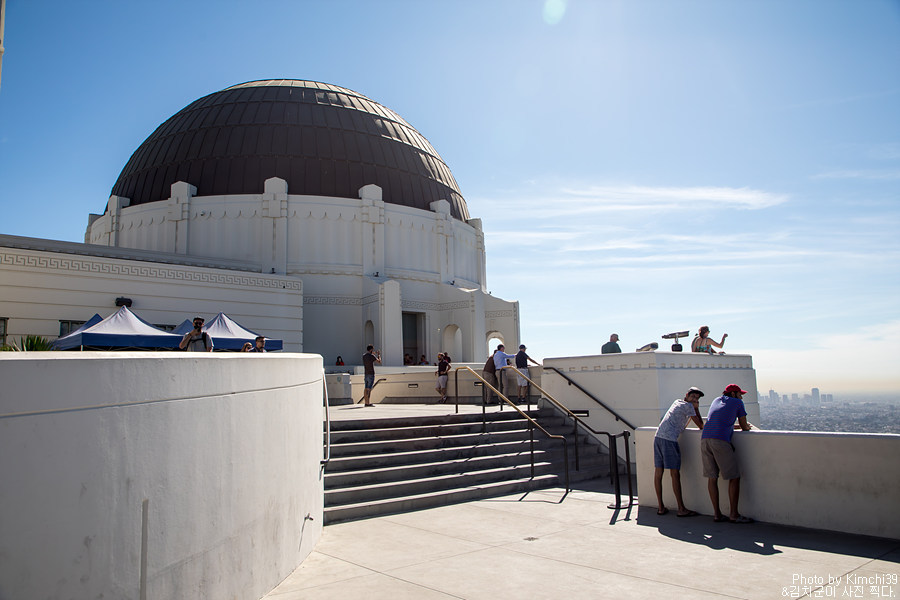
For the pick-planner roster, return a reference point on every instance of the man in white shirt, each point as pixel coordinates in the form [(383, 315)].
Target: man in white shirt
[(667, 452)]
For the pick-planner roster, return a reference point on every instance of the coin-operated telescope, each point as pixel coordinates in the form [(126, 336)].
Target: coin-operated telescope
[(676, 347)]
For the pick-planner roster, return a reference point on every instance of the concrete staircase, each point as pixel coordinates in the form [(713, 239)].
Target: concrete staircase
[(382, 466)]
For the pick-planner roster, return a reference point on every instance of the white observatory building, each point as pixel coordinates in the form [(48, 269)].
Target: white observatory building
[(338, 223)]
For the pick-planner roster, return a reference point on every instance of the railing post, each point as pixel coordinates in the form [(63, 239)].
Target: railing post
[(456, 388), (575, 435), (628, 465), (618, 486)]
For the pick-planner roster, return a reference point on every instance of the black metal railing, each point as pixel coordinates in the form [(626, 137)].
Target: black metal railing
[(592, 397), (611, 439), (532, 424)]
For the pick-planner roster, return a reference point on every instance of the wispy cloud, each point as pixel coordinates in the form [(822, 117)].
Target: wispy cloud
[(871, 174), (679, 197), (569, 201)]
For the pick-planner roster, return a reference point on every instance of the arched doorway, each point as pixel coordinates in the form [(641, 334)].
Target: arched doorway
[(494, 339)]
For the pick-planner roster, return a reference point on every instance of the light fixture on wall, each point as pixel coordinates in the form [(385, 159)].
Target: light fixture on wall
[(123, 301)]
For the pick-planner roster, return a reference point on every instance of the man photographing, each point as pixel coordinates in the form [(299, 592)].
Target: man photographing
[(196, 340)]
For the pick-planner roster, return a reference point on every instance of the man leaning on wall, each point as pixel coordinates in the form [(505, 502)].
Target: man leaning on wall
[(718, 453)]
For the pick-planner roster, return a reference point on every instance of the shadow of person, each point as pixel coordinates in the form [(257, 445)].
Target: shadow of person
[(756, 538)]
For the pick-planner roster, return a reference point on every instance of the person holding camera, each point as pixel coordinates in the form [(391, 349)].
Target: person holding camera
[(196, 340), (369, 359)]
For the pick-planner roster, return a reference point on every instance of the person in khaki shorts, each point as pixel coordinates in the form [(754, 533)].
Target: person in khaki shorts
[(718, 452)]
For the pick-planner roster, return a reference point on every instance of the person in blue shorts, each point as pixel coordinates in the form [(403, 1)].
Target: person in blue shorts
[(667, 452), (717, 450)]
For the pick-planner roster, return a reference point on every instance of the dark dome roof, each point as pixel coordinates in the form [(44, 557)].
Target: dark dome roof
[(322, 139)]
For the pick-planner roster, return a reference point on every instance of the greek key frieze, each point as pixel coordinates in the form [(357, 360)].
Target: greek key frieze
[(494, 314), (412, 304), (142, 270), (334, 300)]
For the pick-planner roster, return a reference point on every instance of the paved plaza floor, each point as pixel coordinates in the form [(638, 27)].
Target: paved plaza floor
[(549, 544)]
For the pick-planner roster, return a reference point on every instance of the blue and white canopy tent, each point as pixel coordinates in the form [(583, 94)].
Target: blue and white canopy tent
[(61, 343), (121, 330), (227, 334)]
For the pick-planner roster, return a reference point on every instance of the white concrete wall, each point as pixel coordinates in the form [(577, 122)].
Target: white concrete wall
[(223, 449), (846, 482), (336, 245), (642, 385), (302, 234), (40, 288)]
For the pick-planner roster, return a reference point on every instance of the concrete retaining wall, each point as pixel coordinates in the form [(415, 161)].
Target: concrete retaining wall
[(157, 475), (846, 482)]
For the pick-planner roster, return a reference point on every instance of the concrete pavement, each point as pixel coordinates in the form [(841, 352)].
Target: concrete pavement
[(547, 544)]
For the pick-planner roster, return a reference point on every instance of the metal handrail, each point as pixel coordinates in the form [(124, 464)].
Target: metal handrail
[(611, 438), (592, 397), (531, 422), (374, 385), (327, 456)]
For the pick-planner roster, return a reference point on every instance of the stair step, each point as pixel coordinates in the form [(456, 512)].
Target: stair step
[(414, 471), (424, 443), (411, 431), (433, 484), (371, 461), (424, 421), (334, 514)]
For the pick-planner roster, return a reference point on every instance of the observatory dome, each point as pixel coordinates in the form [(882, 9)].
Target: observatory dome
[(322, 139)]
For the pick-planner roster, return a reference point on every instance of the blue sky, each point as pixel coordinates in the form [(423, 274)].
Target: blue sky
[(640, 167)]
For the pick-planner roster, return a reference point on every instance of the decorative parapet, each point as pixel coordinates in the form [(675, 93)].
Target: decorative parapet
[(655, 360)]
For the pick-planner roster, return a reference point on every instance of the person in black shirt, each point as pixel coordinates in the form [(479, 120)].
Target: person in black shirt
[(522, 368), (369, 360), (443, 375)]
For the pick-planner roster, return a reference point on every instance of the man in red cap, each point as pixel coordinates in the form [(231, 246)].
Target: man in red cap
[(718, 452)]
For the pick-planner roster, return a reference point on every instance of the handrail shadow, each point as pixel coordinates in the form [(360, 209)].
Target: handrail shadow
[(532, 424)]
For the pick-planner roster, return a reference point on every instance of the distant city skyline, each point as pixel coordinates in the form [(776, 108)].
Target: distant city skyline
[(639, 167)]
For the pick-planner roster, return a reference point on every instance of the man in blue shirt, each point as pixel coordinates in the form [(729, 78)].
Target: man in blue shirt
[(718, 452), (500, 358)]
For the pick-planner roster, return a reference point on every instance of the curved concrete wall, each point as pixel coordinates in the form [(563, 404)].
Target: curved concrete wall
[(157, 475), (846, 482)]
